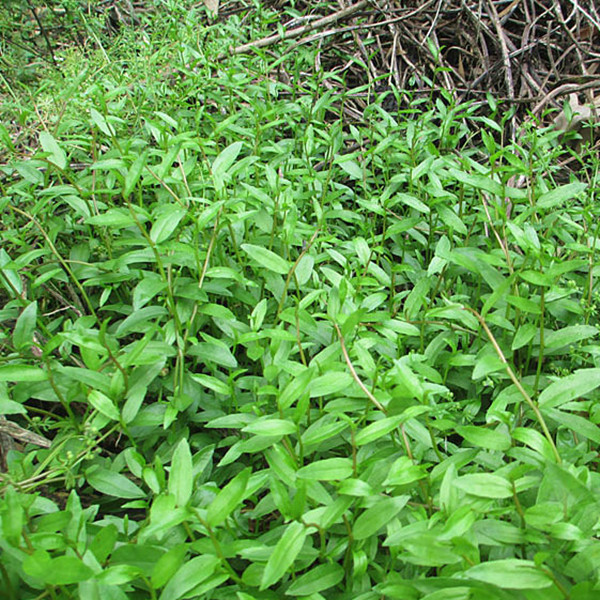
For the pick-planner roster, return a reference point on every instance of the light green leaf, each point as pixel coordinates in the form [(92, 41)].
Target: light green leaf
[(18, 373), (404, 471), (181, 476), (267, 259), (189, 575), (101, 123), (228, 499), (332, 382), (523, 336), (413, 203), (104, 405), (63, 570), (167, 565), (212, 383), (485, 485), (569, 335), (225, 159), (352, 168), (316, 580), (115, 218), (573, 386), (57, 155), (114, 484), (378, 429), (270, 426), (511, 574), (328, 469), (560, 195), (284, 554), (25, 327), (134, 173), (578, 424), (146, 289), (294, 389), (375, 517), (485, 438), (166, 223)]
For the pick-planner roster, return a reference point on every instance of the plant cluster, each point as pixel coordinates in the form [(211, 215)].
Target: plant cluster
[(269, 366)]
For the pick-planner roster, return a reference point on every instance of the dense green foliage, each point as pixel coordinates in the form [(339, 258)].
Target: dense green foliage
[(272, 369)]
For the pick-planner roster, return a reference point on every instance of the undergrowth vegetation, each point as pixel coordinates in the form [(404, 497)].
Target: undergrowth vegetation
[(271, 367)]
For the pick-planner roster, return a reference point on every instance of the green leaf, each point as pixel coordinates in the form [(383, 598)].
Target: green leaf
[(316, 580), (294, 389), (115, 218), (271, 426), (64, 570), (104, 405), (18, 373), (25, 327), (328, 469), (104, 542), (225, 159), (114, 484), (378, 515), (535, 440), (333, 382), (523, 336), (485, 485), (485, 438), (189, 575), (215, 351), (146, 289), (566, 389), (167, 565), (228, 499), (181, 476), (404, 471), (378, 429), (352, 168), (13, 517), (569, 335), (57, 155), (101, 123), (284, 554), (578, 424), (267, 259), (118, 575), (134, 173), (511, 574), (212, 383), (451, 219), (413, 202), (560, 195), (166, 223)]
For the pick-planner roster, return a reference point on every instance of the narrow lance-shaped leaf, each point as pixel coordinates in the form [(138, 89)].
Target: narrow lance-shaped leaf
[(104, 405), (25, 327), (228, 499), (267, 259), (284, 554), (56, 154), (181, 476)]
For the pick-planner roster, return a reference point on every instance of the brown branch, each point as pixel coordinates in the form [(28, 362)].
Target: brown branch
[(299, 31)]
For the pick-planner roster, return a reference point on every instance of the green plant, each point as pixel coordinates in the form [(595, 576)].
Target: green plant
[(272, 367)]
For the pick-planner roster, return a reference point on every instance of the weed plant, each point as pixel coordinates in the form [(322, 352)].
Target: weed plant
[(269, 368)]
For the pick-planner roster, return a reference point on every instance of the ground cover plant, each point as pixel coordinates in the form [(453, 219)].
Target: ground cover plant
[(252, 349)]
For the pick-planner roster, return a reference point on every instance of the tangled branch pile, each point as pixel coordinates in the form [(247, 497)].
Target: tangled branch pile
[(531, 53)]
